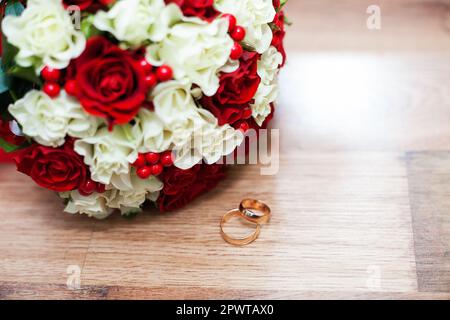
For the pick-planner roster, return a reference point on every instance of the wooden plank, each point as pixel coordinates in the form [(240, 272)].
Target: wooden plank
[(326, 234), (406, 25), (429, 177), (361, 101), (58, 292)]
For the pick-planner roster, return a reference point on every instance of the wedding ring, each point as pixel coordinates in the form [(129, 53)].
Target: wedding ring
[(255, 211), (238, 241)]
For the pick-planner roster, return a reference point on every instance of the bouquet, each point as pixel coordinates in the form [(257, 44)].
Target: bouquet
[(117, 104)]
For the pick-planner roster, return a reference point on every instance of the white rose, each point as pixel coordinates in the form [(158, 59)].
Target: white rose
[(254, 16), (44, 35), (196, 50), (173, 101), (219, 142), (94, 205), (109, 154), (265, 96), (134, 22), (133, 198), (267, 93), (48, 121), (155, 136), (211, 142), (176, 108), (269, 65)]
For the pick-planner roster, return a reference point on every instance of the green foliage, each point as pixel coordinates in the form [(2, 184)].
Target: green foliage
[(15, 81), (27, 74), (8, 70), (131, 214), (14, 8), (7, 147), (88, 28), (4, 81)]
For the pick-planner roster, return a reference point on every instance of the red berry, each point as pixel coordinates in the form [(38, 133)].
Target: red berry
[(238, 34), (71, 87), (50, 74), (101, 188), (157, 169), (166, 159), (164, 73), (152, 157), (151, 80), (145, 66), (140, 161), (52, 89), (231, 21), (144, 172), (236, 51), (244, 127), (106, 2), (88, 188)]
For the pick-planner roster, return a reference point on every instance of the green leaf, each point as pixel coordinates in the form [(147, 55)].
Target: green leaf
[(287, 21), (5, 101), (7, 147), (88, 28), (19, 88), (14, 9), (4, 81), (27, 74), (133, 213), (9, 53), (283, 3)]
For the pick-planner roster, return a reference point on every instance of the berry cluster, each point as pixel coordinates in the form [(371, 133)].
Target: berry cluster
[(237, 33), (90, 186), (152, 76), (152, 164), (51, 86)]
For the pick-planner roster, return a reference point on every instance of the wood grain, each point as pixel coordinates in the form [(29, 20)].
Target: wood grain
[(430, 205), (360, 201), (326, 234)]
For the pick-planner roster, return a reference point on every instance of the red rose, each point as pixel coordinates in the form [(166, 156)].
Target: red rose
[(232, 101), (278, 34), (110, 83), (203, 9), (240, 86), (90, 5), (183, 186), (60, 169), (227, 114)]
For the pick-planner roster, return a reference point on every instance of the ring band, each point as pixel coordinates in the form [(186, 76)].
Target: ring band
[(240, 241), (247, 208)]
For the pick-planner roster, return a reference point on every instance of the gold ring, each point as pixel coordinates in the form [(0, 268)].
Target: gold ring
[(248, 208), (241, 241)]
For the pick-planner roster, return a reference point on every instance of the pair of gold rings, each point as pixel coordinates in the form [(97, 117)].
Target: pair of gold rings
[(254, 211)]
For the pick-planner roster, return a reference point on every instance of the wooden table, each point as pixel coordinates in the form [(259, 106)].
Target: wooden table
[(361, 202)]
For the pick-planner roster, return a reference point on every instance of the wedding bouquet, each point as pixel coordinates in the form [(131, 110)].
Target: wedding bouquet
[(115, 104)]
